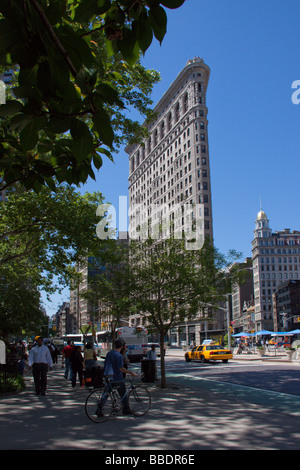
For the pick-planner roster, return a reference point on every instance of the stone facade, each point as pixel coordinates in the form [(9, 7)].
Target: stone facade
[(172, 169), (276, 259), (172, 166)]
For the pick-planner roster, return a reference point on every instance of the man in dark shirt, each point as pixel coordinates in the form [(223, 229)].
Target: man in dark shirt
[(66, 352), (113, 367)]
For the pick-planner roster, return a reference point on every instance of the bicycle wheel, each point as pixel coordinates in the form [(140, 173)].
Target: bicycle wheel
[(139, 400), (99, 406)]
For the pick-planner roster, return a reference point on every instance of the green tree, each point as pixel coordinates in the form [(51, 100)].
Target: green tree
[(78, 69), (20, 309), (42, 237), (170, 284), (48, 231), (108, 291)]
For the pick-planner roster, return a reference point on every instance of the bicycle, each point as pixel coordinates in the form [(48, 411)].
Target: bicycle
[(100, 404)]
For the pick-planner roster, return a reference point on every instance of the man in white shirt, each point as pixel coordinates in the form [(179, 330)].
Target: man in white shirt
[(39, 360), (151, 354)]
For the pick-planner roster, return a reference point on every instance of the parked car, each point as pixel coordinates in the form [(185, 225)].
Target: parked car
[(208, 352)]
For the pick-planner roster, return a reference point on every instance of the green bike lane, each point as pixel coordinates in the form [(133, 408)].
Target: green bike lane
[(280, 402)]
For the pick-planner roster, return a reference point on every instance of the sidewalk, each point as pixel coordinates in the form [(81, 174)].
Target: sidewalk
[(182, 418)]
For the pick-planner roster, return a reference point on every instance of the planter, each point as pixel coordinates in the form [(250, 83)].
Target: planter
[(261, 351), (289, 353)]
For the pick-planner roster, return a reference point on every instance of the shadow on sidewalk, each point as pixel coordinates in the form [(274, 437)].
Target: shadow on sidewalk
[(180, 419)]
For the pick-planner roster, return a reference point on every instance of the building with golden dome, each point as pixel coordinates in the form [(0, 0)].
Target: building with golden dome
[(275, 259)]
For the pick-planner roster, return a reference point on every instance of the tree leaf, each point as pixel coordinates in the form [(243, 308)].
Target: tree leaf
[(103, 126), (172, 3), (29, 135), (106, 152), (88, 9), (97, 161), (144, 32), (11, 107), (9, 34), (59, 124), (109, 94), (158, 20), (129, 46), (82, 144)]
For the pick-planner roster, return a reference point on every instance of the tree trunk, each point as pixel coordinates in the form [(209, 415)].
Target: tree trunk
[(162, 360)]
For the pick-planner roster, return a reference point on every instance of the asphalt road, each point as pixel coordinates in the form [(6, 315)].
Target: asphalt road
[(274, 386), (283, 378)]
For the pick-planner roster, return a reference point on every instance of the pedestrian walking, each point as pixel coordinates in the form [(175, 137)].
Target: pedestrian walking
[(66, 353), (54, 352), (77, 365), (90, 356), (39, 360)]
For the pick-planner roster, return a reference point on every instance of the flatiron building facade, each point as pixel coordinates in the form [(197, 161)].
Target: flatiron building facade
[(171, 167)]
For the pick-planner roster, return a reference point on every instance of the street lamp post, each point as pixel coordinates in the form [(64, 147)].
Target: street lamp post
[(285, 319), (227, 318), (228, 322), (227, 309)]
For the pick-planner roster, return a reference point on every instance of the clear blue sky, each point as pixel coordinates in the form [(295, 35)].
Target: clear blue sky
[(252, 49)]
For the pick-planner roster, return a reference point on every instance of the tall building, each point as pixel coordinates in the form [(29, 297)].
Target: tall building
[(242, 297), (86, 313), (171, 168), (286, 306), (276, 259), (169, 174), (79, 305)]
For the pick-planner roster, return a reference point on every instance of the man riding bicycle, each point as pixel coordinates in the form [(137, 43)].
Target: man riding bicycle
[(113, 366)]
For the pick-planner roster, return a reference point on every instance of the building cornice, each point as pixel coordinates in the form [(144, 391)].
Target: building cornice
[(168, 96)]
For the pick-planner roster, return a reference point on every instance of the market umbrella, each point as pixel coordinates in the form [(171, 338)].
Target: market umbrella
[(239, 335), (263, 332), (294, 332), (284, 333)]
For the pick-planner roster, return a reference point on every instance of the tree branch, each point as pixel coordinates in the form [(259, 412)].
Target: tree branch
[(54, 37)]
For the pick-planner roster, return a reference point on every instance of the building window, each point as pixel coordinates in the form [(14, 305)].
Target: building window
[(177, 112)]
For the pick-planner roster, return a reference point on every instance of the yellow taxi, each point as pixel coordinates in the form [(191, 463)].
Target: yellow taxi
[(208, 352)]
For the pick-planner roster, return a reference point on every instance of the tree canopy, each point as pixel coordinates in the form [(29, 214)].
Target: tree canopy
[(108, 290), (42, 237), (77, 69), (170, 285)]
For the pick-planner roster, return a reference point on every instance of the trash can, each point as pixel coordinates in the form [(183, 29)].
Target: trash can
[(148, 370)]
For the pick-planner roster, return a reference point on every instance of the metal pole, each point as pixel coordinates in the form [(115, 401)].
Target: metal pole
[(228, 323)]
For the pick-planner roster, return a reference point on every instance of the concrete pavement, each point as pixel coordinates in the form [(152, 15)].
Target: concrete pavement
[(182, 418)]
